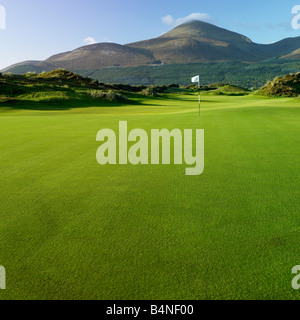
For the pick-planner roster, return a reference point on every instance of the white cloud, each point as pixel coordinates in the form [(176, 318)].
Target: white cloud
[(170, 20), (89, 40), (195, 16)]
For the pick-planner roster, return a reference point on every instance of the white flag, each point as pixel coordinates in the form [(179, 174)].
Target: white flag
[(196, 79)]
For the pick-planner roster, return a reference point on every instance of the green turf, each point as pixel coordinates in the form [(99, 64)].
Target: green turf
[(71, 229)]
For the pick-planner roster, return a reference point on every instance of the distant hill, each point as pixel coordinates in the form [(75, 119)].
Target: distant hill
[(235, 73), (26, 64), (194, 42), (295, 55), (101, 55)]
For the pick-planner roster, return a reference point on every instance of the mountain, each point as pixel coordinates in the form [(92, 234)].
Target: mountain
[(198, 41), (192, 42), (209, 43), (102, 55), (295, 55), (20, 64)]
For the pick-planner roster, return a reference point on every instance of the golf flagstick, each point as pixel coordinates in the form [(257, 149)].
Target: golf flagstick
[(199, 96), (194, 80)]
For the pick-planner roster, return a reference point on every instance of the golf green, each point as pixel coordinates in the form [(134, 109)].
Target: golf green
[(72, 229)]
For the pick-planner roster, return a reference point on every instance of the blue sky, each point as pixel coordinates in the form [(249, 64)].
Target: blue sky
[(36, 29)]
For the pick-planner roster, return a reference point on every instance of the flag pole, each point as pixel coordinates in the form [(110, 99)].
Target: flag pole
[(199, 97), (195, 80)]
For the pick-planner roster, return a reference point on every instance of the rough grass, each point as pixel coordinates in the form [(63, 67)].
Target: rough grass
[(109, 96), (58, 86), (61, 85), (287, 86), (71, 229), (227, 89)]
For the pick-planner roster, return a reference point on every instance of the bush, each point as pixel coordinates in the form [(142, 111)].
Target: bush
[(150, 91), (110, 96), (4, 99), (30, 74), (287, 86)]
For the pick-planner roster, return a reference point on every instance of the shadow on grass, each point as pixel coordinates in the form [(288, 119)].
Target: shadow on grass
[(60, 104), (57, 104)]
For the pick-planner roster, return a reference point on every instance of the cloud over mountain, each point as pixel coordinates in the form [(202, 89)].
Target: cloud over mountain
[(89, 40), (171, 21)]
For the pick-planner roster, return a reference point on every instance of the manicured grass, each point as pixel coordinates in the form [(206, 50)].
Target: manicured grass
[(71, 229)]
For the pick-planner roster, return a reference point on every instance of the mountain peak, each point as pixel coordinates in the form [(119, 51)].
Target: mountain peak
[(196, 28), (194, 23)]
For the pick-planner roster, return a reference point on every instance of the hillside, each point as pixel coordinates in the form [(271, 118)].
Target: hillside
[(236, 73), (198, 41), (25, 64), (168, 58), (295, 55), (58, 87), (287, 86), (101, 55)]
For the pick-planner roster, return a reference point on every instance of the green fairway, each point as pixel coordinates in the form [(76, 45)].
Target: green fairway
[(72, 229)]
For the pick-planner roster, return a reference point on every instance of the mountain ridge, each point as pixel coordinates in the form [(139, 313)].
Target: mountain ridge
[(191, 42)]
